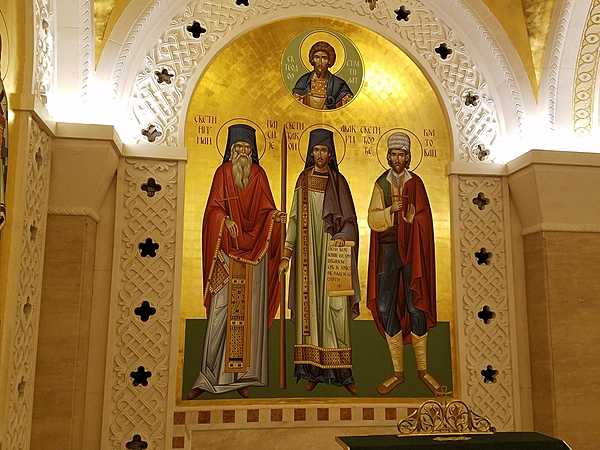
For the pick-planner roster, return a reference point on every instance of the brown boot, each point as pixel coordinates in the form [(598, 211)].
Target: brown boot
[(244, 392), (194, 393), (311, 385), (351, 388), (420, 346), (396, 347)]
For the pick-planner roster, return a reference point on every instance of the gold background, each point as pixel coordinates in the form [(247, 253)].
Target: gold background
[(244, 80)]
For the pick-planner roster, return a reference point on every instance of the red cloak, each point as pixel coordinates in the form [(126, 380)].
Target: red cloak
[(253, 210), (416, 247)]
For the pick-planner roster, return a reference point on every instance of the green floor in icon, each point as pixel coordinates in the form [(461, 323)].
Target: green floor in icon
[(371, 363)]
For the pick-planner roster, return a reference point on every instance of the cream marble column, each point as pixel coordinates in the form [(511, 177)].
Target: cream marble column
[(142, 409), (23, 246), (557, 196), (84, 163), (485, 346)]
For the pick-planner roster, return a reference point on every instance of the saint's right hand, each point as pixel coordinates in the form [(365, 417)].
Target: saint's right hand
[(396, 206), (284, 265), (231, 227)]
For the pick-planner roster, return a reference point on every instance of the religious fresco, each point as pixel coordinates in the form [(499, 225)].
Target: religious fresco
[(334, 69), (332, 197)]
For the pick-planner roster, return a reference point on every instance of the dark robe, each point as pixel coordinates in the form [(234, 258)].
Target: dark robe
[(252, 209), (337, 89), (416, 248)]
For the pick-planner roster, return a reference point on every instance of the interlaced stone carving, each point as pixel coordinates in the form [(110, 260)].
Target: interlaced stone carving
[(484, 344), (134, 343), (44, 49), (27, 288)]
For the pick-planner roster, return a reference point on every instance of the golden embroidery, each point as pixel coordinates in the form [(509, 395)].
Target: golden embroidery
[(317, 183), (304, 259), (237, 353), (220, 274), (325, 358)]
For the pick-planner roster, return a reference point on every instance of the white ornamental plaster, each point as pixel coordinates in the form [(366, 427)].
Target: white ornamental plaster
[(24, 287), (44, 50), (570, 27), (144, 410), (502, 109), (549, 82), (586, 72), (480, 344)]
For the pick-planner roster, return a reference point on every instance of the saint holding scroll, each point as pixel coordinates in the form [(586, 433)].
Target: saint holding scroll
[(322, 216)]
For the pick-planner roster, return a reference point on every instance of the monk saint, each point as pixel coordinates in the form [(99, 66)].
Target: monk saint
[(240, 255)]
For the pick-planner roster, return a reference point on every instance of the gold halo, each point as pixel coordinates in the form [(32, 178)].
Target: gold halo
[(331, 39), (413, 138), (222, 137), (338, 143)]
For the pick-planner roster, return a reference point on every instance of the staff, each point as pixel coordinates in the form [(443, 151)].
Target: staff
[(282, 346)]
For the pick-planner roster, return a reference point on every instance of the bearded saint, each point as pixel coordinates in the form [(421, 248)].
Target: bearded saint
[(401, 281), (241, 238), (322, 215)]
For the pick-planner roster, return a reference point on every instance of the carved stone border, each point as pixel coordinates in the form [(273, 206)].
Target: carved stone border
[(586, 72), (137, 409), (477, 285), (186, 57), (24, 286), (188, 420)]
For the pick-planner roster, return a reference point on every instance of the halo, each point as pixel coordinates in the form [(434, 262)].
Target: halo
[(331, 39), (413, 138), (340, 141), (222, 137)]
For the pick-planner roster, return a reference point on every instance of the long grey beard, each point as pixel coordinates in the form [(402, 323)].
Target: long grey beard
[(241, 171)]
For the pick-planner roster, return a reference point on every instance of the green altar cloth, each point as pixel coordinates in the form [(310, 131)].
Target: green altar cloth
[(496, 441)]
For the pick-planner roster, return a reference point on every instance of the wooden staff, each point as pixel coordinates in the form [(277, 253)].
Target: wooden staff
[(282, 346)]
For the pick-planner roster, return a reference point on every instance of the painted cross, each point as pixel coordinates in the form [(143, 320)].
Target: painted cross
[(196, 29), (443, 51), (151, 187), (402, 13), (140, 376), (163, 76), (148, 248), (483, 256), (489, 374), (481, 201), (151, 133), (136, 443), (486, 314), (144, 311)]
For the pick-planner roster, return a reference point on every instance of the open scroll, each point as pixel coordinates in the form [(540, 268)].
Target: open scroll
[(339, 270)]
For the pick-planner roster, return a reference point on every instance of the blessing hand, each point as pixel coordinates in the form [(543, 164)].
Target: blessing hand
[(232, 227)]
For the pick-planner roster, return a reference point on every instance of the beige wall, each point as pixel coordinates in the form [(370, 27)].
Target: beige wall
[(556, 197), (61, 370)]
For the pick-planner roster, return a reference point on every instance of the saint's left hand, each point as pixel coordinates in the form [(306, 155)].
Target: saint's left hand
[(338, 242), (280, 217)]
